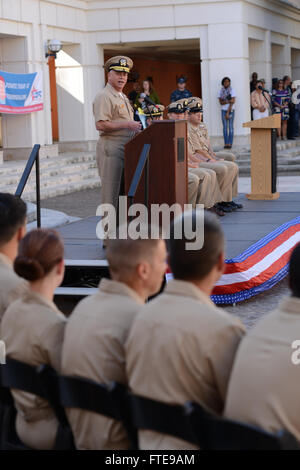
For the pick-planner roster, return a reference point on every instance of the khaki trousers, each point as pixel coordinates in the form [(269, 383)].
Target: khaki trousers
[(193, 183), (227, 176), (110, 161), (228, 156), (208, 192)]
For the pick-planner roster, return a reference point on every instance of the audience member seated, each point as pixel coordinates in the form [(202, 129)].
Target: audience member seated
[(12, 230), (203, 187), (154, 113), (99, 326), (181, 346), (33, 328), (264, 384), (199, 149)]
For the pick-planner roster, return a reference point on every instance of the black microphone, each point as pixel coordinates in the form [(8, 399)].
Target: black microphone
[(148, 100), (263, 89)]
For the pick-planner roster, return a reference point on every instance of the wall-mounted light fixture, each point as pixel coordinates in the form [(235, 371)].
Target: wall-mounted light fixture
[(52, 48)]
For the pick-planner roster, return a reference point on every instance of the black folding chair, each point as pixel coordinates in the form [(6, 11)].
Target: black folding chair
[(225, 434), (110, 400), (161, 417), (41, 381)]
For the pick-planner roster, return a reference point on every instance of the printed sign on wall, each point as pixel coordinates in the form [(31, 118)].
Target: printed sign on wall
[(21, 93)]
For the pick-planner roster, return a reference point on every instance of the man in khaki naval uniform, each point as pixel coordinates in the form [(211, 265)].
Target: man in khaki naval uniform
[(220, 154), (12, 229), (265, 380), (202, 184), (181, 346), (99, 326), (114, 121), (226, 171)]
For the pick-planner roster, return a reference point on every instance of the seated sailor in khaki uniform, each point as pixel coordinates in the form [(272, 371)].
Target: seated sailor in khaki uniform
[(220, 154), (12, 230), (265, 381), (99, 326), (226, 171), (181, 346), (33, 328), (203, 187)]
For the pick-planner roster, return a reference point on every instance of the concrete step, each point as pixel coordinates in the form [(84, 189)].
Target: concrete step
[(60, 189), (280, 162), (67, 173), (282, 170), (51, 172), (47, 182), (287, 144), (17, 168)]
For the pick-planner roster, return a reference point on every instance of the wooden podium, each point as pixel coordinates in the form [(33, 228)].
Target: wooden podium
[(167, 163), (263, 157)]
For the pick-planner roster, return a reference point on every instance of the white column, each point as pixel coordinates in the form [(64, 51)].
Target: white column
[(94, 81), (268, 63), (224, 52), (295, 64)]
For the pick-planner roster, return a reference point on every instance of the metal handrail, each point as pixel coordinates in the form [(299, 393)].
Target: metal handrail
[(33, 159), (142, 163)]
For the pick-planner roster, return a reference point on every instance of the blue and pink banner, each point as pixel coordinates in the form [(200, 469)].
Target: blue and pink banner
[(21, 93)]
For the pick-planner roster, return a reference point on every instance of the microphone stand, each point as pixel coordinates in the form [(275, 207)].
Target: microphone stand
[(269, 103), (273, 150)]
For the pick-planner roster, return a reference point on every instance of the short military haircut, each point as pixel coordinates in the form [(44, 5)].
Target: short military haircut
[(12, 216), (196, 264), (124, 255), (294, 271)]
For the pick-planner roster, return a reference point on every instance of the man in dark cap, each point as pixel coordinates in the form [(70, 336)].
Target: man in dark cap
[(114, 121), (181, 91)]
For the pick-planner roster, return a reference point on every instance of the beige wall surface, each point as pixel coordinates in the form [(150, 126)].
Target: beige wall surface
[(231, 38)]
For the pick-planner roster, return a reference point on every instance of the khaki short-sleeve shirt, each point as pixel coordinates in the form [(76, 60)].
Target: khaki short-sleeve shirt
[(181, 347), (110, 105), (196, 140), (94, 349), (33, 330), (11, 285)]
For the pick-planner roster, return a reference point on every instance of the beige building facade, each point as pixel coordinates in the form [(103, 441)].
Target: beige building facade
[(228, 38)]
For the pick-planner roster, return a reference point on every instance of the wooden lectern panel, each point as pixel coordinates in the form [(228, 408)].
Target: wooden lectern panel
[(263, 159), (270, 122), (167, 162)]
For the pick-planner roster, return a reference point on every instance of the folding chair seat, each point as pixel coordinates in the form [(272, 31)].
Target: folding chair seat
[(225, 434), (43, 382), (152, 415), (110, 400)]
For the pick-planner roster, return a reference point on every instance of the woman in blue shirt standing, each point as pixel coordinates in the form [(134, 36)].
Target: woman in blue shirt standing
[(227, 97)]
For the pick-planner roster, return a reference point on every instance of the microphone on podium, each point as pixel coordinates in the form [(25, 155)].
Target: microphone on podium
[(263, 89), (148, 100)]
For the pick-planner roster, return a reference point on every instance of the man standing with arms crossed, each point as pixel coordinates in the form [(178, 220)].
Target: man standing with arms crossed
[(114, 121)]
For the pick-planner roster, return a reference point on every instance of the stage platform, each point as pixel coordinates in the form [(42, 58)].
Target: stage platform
[(242, 228)]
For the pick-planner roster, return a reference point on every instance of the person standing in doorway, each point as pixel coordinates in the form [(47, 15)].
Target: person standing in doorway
[(114, 121), (181, 92), (227, 97)]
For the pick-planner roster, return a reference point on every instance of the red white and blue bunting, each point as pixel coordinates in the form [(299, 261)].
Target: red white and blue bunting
[(258, 268)]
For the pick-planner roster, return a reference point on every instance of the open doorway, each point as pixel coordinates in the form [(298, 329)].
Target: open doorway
[(164, 62)]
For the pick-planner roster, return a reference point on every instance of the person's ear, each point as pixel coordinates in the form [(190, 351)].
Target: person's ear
[(221, 264), (21, 232), (60, 268), (143, 270)]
